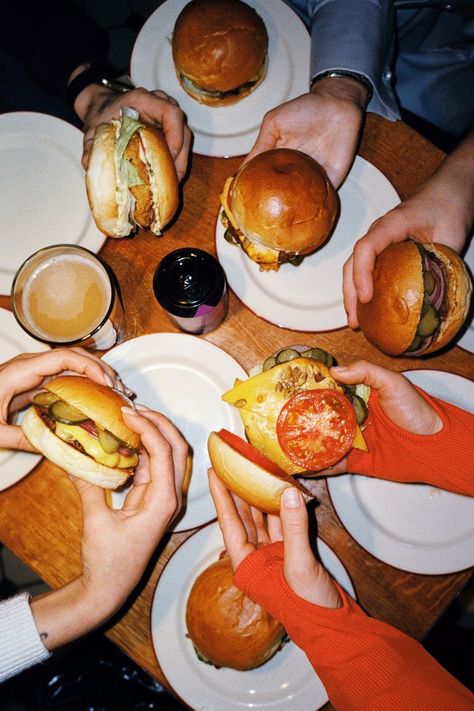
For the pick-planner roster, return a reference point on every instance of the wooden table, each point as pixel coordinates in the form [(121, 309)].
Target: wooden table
[(40, 517)]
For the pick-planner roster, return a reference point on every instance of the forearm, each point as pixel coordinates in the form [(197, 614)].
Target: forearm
[(364, 664), (443, 459)]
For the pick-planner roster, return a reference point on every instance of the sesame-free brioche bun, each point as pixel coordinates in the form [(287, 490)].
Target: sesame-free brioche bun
[(73, 448), (248, 473), (219, 50), (226, 627), (282, 203), (117, 207), (392, 319)]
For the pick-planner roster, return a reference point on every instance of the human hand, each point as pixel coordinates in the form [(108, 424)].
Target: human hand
[(118, 543), (324, 123), (22, 376), (441, 211), (245, 529), (398, 398), (96, 105)]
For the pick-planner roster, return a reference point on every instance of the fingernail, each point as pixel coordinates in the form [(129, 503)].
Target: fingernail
[(119, 385), (128, 392), (291, 498), (139, 406), (128, 410), (108, 380)]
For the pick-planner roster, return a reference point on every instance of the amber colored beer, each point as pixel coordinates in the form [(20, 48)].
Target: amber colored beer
[(64, 294)]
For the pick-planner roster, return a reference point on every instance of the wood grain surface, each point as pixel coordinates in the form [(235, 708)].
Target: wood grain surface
[(40, 517)]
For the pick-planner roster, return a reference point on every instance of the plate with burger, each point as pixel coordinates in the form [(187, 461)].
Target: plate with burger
[(266, 51), (286, 682), (414, 527), (183, 377), (14, 465), (267, 268), (43, 202)]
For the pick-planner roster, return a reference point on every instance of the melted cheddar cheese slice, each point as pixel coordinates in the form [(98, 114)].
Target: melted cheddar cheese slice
[(92, 446)]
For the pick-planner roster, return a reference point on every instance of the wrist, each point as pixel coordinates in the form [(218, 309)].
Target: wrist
[(344, 85)]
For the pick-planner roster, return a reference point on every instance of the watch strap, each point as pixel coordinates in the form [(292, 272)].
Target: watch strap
[(93, 75), (337, 73)]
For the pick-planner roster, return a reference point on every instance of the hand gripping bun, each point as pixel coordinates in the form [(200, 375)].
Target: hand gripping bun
[(283, 204), (219, 50), (248, 473), (120, 202), (60, 444), (226, 627), (393, 319)]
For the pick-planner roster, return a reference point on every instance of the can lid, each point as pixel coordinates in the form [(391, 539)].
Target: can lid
[(187, 278)]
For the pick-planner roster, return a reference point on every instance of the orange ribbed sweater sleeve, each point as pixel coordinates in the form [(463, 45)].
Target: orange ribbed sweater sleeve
[(364, 664), (444, 459)]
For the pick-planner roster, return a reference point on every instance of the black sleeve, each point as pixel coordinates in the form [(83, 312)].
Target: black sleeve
[(50, 38)]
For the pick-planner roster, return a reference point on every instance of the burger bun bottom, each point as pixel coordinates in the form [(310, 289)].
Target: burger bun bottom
[(67, 457)]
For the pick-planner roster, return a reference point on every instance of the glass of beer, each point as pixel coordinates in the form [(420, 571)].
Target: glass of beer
[(64, 295)]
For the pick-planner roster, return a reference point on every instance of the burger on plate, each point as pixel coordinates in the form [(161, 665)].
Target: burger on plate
[(219, 50), (279, 207), (297, 415), (131, 178), (421, 299), (77, 424), (226, 628)]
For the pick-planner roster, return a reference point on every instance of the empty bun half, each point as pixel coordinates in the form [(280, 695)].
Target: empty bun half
[(97, 402), (71, 460), (228, 628), (220, 47), (283, 199)]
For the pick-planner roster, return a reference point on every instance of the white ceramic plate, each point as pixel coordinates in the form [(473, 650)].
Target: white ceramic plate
[(414, 527), (183, 377), (466, 340), (286, 682), (309, 297), (13, 341), (43, 198), (227, 130)]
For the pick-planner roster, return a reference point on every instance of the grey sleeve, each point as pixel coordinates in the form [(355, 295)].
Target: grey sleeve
[(20, 642), (358, 36)]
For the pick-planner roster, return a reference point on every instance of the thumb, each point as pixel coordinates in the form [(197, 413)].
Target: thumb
[(298, 555)]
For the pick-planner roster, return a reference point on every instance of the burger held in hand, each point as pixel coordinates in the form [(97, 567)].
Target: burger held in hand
[(297, 420), (421, 299), (279, 207), (226, 628), (131, 178), (219, 50), (77, 424)]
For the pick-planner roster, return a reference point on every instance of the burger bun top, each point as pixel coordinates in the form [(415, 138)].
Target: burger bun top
[(219, 44), (228, 628), (283, 199)]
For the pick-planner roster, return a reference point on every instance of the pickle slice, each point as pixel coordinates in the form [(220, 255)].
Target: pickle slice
[(319, 354), (429, 282), (360, 409), (66, 414), (428, 324), (45, 399), (108, 441), (268, 363), (286, 355)]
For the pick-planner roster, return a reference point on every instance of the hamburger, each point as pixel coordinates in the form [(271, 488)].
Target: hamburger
[(131, 178), (279, 207), (77, 424), (219, 50), (226, 628), (420, 301), (297, 415)]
